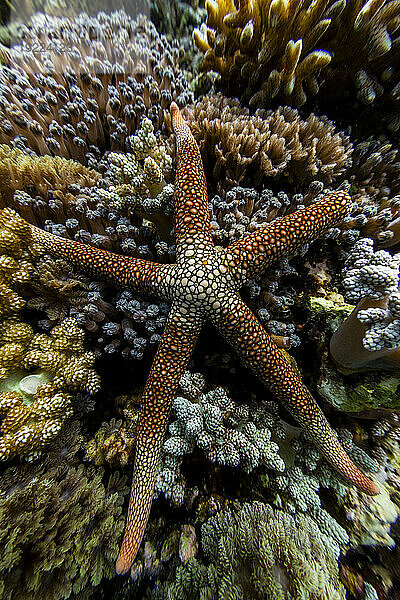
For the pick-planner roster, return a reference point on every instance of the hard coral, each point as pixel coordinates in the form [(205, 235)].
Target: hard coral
[(370, 336), (227, 434), (34, 407)]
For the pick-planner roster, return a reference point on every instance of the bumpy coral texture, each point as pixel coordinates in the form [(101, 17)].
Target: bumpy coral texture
[(60, 523), (267, 50), (33, 407), (227, 434), (370, 336), (69, 199), (259, 552)]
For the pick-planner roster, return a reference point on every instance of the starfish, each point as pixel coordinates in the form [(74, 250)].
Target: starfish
[(204, 284)]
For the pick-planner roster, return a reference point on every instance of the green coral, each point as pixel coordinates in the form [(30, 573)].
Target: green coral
[(259, 553), (60, 524)]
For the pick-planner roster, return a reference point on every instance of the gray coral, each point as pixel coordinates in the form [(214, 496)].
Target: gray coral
[(227, 434)]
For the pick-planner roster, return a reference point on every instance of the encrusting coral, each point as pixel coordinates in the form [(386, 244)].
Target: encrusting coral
[(283, 50), (33, 405)]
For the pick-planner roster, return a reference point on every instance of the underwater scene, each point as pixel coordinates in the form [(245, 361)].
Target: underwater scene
[(199, 299)]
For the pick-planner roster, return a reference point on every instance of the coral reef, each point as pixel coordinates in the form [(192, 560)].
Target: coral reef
[(375, 188), (177, 18), (60, 524), (34, 404), (370, 394), (258, 552), (113, 443), (370, 336), (284, 51), (42, 175)]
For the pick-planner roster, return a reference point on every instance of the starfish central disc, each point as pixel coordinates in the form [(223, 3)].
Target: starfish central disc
[(201, 280)]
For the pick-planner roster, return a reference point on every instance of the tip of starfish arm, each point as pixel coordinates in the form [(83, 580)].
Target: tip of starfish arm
[(174, 108), (122, 566), (369, 487)]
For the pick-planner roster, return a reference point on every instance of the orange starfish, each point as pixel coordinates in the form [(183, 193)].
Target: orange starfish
[(204, 284)]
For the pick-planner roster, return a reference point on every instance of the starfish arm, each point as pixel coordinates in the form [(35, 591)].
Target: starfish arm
[(124, 271), (250, 256), (174, 351), (192, 216), (242, 330)]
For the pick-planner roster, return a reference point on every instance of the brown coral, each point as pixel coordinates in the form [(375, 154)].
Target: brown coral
[(39, 176), (90, 87), (113, 443), (241, 146), (375, 179)]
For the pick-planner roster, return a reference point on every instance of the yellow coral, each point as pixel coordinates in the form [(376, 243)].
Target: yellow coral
[(19, 171), (33, 408), (27, 427), (269, 48)]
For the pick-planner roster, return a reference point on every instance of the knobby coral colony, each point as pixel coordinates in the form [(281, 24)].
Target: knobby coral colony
[(204, 284)]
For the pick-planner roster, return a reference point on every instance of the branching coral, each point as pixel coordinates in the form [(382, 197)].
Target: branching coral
[(60, 525), (34, 407), (88, 91), (261, 552), (283, 50), (268, 144), (64, 200), (228, 435), (370, 336)]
